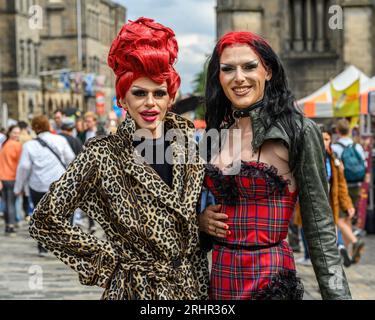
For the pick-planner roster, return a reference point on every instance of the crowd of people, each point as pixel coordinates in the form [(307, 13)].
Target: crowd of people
[(345, 169), (32, 156)]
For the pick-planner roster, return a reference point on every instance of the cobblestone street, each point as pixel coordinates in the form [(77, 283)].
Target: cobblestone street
[(20, 263), (361, 276)]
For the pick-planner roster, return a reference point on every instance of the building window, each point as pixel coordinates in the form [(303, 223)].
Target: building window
[(22, 57), (30, 60), (308, 21), (55, 24), (31, 107), (36, 59), (57, 62), (93, 24)]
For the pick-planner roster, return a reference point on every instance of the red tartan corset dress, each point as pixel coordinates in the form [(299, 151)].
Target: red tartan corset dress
[(254, 261)]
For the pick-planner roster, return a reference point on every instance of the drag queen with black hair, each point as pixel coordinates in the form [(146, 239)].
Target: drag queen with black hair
[(257, 184), (146, 208)]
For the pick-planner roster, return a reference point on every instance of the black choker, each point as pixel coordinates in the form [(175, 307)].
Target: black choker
[(241, 113)]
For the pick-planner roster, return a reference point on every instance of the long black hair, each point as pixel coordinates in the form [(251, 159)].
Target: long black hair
[(279, 105)]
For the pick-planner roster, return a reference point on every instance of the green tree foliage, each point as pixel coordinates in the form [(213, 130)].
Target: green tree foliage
[(199, 89)]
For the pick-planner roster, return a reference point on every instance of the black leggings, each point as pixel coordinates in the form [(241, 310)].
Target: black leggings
[(35, 198)]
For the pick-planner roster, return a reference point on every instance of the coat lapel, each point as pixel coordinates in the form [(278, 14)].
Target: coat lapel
[(184, 175)]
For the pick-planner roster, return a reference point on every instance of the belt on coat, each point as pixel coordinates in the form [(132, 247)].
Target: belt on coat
[(158, 270)]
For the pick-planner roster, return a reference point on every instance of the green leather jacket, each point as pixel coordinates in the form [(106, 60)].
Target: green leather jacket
[(317, 218)]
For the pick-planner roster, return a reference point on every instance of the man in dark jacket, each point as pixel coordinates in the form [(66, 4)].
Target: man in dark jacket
[(67, 132)]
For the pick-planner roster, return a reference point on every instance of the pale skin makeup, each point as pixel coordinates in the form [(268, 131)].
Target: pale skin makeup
[(147, 103), (243, 78)]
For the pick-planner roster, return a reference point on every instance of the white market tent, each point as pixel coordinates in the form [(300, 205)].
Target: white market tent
[(319, 103)]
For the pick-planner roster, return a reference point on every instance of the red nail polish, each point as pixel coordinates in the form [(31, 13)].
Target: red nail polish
[(228, 233)]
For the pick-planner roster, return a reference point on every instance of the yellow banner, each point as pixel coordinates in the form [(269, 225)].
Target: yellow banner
[(345, 102)]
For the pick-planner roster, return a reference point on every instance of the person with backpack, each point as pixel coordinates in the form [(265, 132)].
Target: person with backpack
[(352, 156)]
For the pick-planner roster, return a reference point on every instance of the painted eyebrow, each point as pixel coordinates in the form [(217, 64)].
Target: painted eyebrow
[(140, 88), (242, 64)]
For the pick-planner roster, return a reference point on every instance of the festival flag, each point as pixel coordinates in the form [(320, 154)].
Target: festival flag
[(345, 102)]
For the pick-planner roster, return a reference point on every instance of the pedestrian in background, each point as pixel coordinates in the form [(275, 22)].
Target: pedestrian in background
[(353, 157), (80, 129), (25, 133), (340, 201), (58, 117), (92, 130), (3, 136), (26, 202), (76, 145), (9, 157), (43, 161), (92, 127), (67, 128)]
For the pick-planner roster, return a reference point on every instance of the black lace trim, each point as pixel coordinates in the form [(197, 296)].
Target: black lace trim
[(226, 187), (283, 286)]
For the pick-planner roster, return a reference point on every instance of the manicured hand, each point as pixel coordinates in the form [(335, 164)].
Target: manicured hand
[(211, 222)]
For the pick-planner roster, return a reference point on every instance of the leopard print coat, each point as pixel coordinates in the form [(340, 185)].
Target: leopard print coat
[(152, 247)]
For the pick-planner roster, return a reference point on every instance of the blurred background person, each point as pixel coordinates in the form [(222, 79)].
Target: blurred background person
[(24, 201), (340, 202), (80, 129), (25, 132), (92, 129), (67, 128), (342, 208), (3, 136), (353, 158), (58, 117), (43, 161), (9, 157), (67, 132)]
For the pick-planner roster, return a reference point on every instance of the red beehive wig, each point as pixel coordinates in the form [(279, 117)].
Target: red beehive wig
[(144, 48)]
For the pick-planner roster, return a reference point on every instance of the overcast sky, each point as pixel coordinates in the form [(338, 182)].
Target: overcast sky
[(193, 21)]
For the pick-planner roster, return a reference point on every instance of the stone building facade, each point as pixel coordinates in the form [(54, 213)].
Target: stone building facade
[(51, 64), (19, 60), (309, 36)]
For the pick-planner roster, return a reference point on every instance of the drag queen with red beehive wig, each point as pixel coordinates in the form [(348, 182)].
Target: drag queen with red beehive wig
[(145, 207)]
